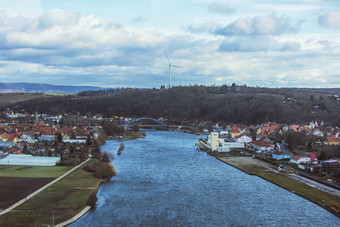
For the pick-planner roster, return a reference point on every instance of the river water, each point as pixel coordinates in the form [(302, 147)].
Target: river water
[(163, 181)]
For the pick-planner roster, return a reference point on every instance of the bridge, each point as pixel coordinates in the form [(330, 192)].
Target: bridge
[(160, 123)]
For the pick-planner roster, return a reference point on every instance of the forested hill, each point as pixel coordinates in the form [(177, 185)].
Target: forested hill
[(228, 104)]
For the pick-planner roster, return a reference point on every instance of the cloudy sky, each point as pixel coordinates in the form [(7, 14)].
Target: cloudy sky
[(282, 43)]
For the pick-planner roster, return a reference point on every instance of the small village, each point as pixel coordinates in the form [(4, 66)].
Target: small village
[(66, 140), (312, 148)]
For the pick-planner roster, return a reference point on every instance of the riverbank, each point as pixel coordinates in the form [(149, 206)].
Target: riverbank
[(127, 137), (59, 202), (268, 172)]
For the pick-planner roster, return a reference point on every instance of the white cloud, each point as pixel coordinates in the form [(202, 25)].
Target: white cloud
[(57, 17), (331, 19), (65, 48), (208, 27), (220, 8), (267, 24), (256, 44)]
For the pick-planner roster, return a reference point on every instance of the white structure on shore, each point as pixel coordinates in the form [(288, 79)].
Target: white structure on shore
[(29, 160), (220, 145)]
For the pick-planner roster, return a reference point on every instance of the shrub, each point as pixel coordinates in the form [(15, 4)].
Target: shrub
[(92, 200), (101, 170), (104, 171), (89, 168)]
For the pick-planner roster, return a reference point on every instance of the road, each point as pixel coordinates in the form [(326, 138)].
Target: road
[(315, 184)]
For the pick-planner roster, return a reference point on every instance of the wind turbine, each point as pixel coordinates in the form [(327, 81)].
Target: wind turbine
[(170, 65)]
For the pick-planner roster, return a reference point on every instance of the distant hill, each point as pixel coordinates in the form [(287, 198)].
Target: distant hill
[(333, 91), (249, 105), (43, 88)]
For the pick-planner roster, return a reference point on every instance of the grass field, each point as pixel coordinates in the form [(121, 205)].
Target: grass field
[(57, 94), (33, 171), (65, 198), (17, 97), (7, 98), (18, 188)]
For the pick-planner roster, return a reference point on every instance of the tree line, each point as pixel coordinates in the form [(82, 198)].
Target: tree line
[(230, 104)]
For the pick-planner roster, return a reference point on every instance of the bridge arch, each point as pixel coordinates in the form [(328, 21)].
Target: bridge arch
[(160, 123)]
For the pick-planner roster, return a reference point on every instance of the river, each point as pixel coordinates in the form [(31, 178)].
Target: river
[(163, 181)]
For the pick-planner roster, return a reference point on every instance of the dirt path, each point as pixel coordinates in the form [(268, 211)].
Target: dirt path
[(248, 161), (315, 184)]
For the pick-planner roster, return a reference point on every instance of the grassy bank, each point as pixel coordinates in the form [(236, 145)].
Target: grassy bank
[(314, 195), (65, 199), (33, 171), (132, 136)]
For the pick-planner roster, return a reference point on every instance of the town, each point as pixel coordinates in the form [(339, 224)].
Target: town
[(313, 148), (65, 139)]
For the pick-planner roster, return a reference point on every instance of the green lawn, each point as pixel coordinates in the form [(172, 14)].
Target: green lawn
[(66, 198), (17, 97), (57, 94), (33, 171)]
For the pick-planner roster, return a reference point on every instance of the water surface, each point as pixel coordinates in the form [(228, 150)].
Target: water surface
[(162, 181)]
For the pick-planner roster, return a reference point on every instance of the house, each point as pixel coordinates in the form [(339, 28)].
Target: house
[(243, 139), (333, 141), (295, 128), (269, 128), (330, 166), (26, 138), (14, 151), (81, 133), (285, 169), (316, 132), (227, 146), (235, 132), (46, 137), (279, 155), (260, 146), (65, 136), (9, 137), (300, 159)]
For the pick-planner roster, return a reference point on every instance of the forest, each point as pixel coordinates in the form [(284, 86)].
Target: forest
[(229, 104)]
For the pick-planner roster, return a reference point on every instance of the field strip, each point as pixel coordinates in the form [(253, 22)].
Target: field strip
[(41, 189)]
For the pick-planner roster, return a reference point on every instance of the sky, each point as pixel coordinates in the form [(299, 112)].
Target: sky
[(282, 43)]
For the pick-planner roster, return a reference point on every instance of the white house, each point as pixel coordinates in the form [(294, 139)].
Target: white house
[(300, 159), (259, 146), (243, 139), (26, 138), (226, 146)]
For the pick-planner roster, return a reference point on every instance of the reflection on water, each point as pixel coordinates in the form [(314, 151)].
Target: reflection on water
[(162, 181)]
